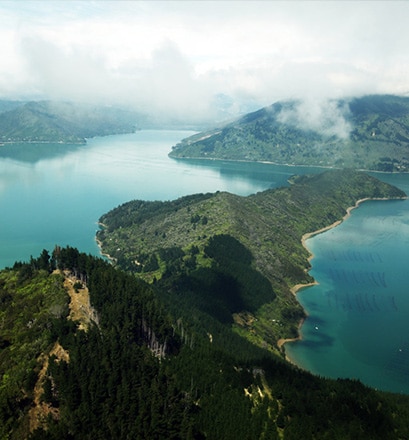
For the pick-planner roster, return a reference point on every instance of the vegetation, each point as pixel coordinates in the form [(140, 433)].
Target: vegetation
[(142, 372), (190, 354), (369, 133), (63, 122), (249, 247)]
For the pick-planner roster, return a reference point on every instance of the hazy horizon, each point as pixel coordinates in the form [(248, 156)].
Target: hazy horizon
[(197, 60)]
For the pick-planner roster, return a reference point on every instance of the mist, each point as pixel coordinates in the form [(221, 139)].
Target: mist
[(206, 61), (328, 117)]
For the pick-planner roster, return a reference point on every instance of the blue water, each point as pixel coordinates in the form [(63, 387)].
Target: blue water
[(358, 315), (358, 324), (55, 194)]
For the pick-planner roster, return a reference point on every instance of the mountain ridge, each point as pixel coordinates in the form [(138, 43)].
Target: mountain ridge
[(370, 133), (190, 354), (59, 380)]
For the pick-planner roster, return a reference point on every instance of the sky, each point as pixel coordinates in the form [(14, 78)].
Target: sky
[(192, 59)]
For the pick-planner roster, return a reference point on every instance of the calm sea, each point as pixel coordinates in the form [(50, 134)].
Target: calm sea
[(357, 325), (54, 194)]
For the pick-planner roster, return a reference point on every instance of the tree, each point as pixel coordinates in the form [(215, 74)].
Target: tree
[(44, 260)]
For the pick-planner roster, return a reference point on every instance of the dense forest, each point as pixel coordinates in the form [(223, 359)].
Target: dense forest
[(140, 371), (371, 132)]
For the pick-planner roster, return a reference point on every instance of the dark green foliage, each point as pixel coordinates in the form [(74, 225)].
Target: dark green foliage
[(249, 252), (78, 285), (219, 388), (29, 303), (222, 247), (170, 254), (139, 211), (162, 361), (233, 259), (212, 292)]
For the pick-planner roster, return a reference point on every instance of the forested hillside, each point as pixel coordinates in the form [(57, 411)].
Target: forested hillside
[(371, 132), (235, 258), (48, 121), (141, 372)]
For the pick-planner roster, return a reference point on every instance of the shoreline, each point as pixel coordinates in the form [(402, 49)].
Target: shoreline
[(112, 260), (298, 287), (325, 167)]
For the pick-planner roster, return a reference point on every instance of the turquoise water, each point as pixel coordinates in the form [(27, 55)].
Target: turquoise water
[(358, 315), (55, 194), (358, 323)]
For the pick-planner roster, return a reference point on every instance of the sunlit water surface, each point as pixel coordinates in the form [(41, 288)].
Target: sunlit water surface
[(358, 322)]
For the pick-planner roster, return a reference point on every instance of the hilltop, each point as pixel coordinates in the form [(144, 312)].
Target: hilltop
[(371, 133)]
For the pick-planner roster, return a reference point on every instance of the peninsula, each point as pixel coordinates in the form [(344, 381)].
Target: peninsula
[(255, 242)]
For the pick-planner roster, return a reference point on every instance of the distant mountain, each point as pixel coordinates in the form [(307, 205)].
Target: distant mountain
[(48, 121), (10, 105), (371, 132)]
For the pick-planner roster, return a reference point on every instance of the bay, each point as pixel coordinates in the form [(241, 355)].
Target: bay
[(358, 323)]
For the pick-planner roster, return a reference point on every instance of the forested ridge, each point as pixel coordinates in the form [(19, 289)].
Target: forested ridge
[(113, 384), (368, 132)]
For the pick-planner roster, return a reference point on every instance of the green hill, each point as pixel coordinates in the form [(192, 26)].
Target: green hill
[(64, 122), (371, 132), (253, 243)]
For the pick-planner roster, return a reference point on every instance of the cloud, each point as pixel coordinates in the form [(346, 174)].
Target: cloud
[(175, 57), (328, 117), (164, 84), (58, 72)]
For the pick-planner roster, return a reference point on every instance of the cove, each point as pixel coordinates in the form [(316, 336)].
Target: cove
[(357, 324)]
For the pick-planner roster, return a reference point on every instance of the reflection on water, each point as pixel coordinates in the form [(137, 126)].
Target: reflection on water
[(35, 152)]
